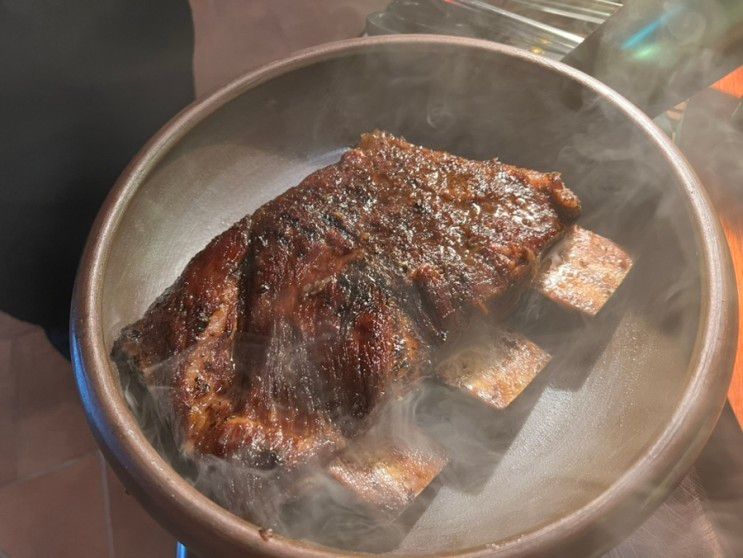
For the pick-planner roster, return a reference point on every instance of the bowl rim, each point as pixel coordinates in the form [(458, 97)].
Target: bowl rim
[(177, 504)]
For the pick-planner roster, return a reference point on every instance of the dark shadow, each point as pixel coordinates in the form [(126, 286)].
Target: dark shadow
[(84, 85), (474, 435)]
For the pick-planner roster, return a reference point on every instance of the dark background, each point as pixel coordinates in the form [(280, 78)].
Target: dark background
[(84, 83)]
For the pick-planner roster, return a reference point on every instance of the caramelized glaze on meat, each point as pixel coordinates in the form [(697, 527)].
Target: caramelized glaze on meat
[(200, 305), (285, 334)]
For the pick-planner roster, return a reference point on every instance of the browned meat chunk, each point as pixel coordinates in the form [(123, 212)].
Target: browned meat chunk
[(495, 370), (583, 271), (285, 334), (388, 473), (201, 304)]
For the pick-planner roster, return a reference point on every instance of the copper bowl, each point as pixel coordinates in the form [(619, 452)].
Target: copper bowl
[(602, 443)]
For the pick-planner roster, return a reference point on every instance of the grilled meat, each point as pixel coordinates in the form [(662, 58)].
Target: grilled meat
[(285, 334), (387, 471), (200, 305), (583, 271), (495, 370)]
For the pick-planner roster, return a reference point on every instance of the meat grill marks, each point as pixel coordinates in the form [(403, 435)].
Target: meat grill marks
[(451, 234), (289, 331)]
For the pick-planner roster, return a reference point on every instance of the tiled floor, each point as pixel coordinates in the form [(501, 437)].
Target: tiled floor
[(58, 498)]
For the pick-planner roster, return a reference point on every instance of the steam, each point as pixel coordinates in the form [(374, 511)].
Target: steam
[(511, 470)]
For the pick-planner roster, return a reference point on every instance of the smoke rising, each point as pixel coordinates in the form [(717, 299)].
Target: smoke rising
[(584, 419)]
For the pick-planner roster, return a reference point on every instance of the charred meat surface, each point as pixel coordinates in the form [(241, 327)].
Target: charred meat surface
[(201, 304), (283, 336)]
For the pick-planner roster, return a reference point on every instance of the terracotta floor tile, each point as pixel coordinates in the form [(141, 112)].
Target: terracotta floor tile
[(11, 327), (50, 421), (135, 533), (8, 460), (60, 514)]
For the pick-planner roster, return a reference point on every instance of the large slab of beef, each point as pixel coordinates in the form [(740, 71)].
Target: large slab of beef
[(285, 334)]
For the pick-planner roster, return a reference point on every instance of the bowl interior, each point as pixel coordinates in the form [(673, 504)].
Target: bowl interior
[(615, 380)]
